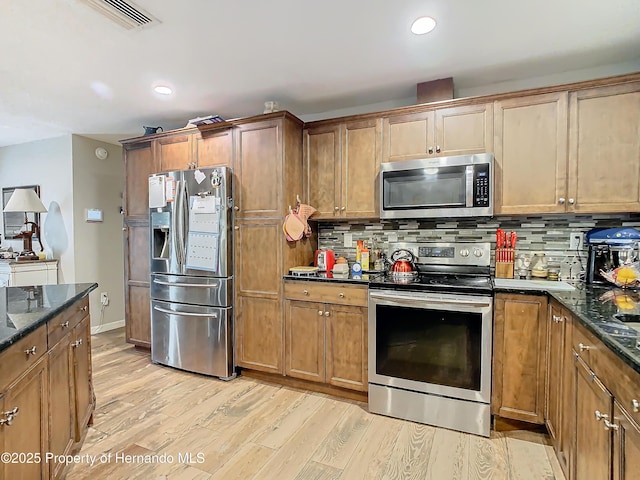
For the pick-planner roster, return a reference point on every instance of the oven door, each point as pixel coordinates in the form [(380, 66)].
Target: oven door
[(431, 343)]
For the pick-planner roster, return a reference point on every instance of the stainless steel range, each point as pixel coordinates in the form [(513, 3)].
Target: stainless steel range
[(430, 338)]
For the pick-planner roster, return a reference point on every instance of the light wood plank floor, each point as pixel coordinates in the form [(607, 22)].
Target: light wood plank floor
[(246, 429)]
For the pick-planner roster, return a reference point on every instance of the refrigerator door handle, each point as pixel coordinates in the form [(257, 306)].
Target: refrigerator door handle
[(174, 223), (176, 284), (185, 220), (185, 314)]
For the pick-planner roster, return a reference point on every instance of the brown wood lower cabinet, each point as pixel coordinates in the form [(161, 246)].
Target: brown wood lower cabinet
[(519, 360), (326, 342), (626, 445)]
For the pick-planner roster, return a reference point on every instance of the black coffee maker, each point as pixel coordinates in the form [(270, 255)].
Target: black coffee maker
[(610, 248)]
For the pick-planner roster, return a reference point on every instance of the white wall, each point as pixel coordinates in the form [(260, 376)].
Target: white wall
[(98, 184), (46, 163)]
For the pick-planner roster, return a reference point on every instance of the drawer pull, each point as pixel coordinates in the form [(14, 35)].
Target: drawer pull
[(635, 405), (610, 426), (77, 343), (600, 416), (85, 308), (341, 295), (306, 292), (65, 324), (583, 347), (9, 416), (31, 351), (558, 319)]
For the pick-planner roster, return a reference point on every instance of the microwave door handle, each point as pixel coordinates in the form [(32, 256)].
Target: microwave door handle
[(415, 301), (469, 185), (186, 314)]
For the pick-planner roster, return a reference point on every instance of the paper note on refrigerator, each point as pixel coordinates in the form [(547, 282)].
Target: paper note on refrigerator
[(157, 197), (202, 251), (204, 214)]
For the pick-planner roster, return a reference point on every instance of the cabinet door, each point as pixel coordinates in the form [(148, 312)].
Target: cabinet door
[(84, 399), (346, 334), (409, 137), (137, 298), (464, 130), (626, 445), (174, 152), (322, 151), (258, 166), (519, 361), (565, 447), (361, 153), (258, 308), (304, 340), (555, 355), (531, 150), (604, 149), (28, 432), (593, 441), (139, 163), (214, 149), (61, 402)]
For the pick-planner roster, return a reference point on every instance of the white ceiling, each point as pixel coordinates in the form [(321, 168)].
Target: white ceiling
[(64, 68)]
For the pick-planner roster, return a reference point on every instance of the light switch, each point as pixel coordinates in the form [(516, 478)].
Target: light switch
[(93, 215)]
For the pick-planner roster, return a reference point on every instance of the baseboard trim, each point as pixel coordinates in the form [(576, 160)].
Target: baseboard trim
[(107, 326)]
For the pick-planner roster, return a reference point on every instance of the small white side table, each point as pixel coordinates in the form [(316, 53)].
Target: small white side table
[(30, 272)]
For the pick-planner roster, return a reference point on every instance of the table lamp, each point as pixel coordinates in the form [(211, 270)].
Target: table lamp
[(25, 200)]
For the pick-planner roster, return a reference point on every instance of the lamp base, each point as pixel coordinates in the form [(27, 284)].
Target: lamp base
[(27, 255)]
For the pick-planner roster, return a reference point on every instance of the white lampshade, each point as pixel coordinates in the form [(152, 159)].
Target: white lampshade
[(24, 200)]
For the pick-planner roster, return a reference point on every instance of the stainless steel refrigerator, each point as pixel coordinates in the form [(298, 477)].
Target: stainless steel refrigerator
[(192, 270)]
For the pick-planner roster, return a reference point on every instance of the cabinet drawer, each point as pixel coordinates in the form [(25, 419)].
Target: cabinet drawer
[(342, 294), (585, 344), (62, 324), (15, 360)]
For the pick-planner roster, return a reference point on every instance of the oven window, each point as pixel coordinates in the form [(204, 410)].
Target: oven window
[(430, 187), (431, 346)]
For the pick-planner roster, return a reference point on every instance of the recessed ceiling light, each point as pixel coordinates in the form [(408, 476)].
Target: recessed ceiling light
[(423, 25), (162, 90)]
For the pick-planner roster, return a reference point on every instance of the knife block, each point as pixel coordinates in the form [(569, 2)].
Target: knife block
[(504, 262)]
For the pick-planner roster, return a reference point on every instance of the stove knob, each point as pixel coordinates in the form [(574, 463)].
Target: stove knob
[(464, 252), (477, 252)]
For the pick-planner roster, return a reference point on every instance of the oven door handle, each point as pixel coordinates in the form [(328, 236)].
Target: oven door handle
[(413, 301)]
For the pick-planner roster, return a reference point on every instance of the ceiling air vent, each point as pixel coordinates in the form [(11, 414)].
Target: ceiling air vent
[(125, 14)]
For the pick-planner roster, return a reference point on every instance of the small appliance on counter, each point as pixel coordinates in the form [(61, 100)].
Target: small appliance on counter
[(325, 260), (610, 248)]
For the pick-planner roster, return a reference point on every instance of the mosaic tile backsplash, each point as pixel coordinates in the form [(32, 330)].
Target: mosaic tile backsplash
[(549, 234)]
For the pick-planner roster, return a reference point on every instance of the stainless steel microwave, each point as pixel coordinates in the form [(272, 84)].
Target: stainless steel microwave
[(460, 186)]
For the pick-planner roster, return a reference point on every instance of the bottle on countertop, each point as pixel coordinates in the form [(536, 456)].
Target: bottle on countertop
[(359, 247), (364, 258)]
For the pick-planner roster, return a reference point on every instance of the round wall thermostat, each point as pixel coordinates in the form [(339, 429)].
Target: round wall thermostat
[(102, 153)]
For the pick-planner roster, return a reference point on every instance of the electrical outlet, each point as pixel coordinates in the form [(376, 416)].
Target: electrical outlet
[(104, 298), (348, 240), (575, 241)]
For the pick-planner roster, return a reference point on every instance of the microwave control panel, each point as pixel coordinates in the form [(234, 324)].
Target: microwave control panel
[(481, 185)]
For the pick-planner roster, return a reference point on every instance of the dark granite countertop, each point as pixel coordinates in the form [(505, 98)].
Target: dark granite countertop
[(23, 309), (595, 307), (363, 279)]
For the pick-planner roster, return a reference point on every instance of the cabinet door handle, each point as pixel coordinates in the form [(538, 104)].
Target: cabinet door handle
[(561, 200), (65, 324), (343, 208), (557, 318), (341, 295), (77, 343), (635, 405), (30, 351), (610, 426), (85, 308), (437, 148), (600, 416), (326, 314), (571, 201), (236, 208), (236, 228), (306, 292), (320, 312), (336, 208), (430, 150), (583, 347), (9, 416)]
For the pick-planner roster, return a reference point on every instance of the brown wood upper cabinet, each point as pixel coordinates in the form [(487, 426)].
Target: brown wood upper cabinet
[(531, 152), (460, 130), (342, 163), (139, 163), (174, 152), (519, 360), (604, 149), (192, 149)]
